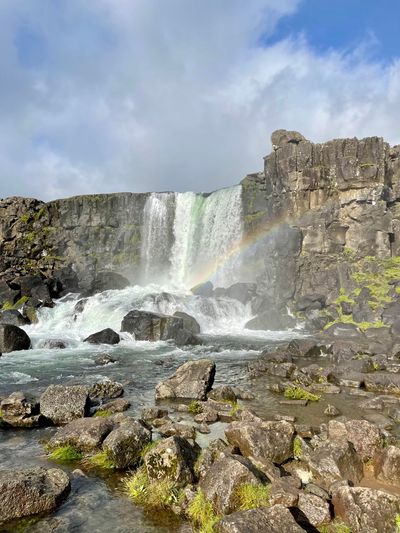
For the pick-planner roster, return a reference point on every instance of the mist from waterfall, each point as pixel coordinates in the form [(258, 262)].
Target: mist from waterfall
[(187, 237)]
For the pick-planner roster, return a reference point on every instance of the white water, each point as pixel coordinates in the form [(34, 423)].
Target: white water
[(188, 237)]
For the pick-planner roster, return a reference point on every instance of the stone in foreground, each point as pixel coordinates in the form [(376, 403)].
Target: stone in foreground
[(61, 404), (105, 336), (31, 491), (13, 338), (125, 443), (84, 434), (276, 519), (367, 510), (192, 380), (18, 410)]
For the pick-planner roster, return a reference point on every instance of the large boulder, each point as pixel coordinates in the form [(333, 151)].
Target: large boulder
[(275, 519), (173, 459), (34, 286), (85, 434), (270, 319), (387, 466), (366, 510), (315, 509), (13, 338), (105, 390), (148, 326), (192, 380), (61, 404), (125, 443), (264, 440), (223, 479), (19, 410), (366, 438), (13, 317), (105, 336), (189, 322), (31, 491), (107, 280)]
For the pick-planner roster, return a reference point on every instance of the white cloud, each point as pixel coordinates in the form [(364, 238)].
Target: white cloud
[(122, 95)]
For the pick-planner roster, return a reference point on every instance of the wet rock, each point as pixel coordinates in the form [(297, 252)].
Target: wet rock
[(151, 413), (387, 466), (223, 393), (314, 508), (204, 289), (104, 359), (189, 322), (13, 338), (31, 491), (259, 439), (52, 344), (85, 434), (80, 305), (331, 410), (104, 390), (243, 292), (7, 294), (61, 404), (207, 416), (172, 459), (192, 380), (125, 443), (107, 280), (276, 519), (105, 336), (148, 326), (170, 429), (13, 317), (223, 479), (20, 410), (270, 319), (366, 510), (116, 406)]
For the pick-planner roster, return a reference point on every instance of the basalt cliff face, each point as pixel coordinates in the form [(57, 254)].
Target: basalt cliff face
[(322, 223)]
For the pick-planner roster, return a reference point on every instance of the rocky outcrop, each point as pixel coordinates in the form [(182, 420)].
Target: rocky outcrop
[(31, 491), (192, 380), (13, 338)]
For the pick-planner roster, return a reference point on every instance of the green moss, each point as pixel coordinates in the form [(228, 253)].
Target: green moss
[(102, 412), (363, 326), (39, 214), (250, 496), (397, 522), (7, 306), (195, 407), (157, 495), (101, 460), (202, 514), (336, 526), (297, 393), (66, 454), (297, 448), (235, 407), (25, 218)]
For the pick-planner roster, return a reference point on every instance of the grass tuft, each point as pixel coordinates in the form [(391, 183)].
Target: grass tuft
[(336, 526), (297, 448), (249, 496), (195, 407), (102, 412), (66, 453), (101, 460), (297, 393), (161, 494), (202, 514)]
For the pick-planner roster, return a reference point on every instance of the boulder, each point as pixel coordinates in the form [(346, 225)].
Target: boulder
[(223, 479), (13, 317), (192, 380), (116, 406), (105, 336), (215, 450), (125, 443), (148, 326), (107, 280), (223, 393), (243, 292), (387, 466), (275, 519), (189, 322), (20, 410), (366, 510), (61, 404), (30, 491), (34, 287), (270, 319), (7, 294), (366, 438), (105, 390), (203, 289), (314, 508), (259, 439), (85, 434), (382, 382), (13, 338), (104, 359), (172, 459)]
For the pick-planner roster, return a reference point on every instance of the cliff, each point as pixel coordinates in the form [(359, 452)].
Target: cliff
[(318, 218)]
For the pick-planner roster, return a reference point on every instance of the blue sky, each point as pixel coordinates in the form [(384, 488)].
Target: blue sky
[(137, 95)]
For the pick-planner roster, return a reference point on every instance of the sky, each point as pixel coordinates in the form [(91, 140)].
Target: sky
[(152, 95)]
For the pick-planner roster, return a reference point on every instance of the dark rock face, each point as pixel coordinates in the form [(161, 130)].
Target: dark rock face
[(31, 491), (61, 404), (13, 317), (192, 380), (107, 280), (276, 519), (148, 326), (189, 322), (13, 338), (105, 336)]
